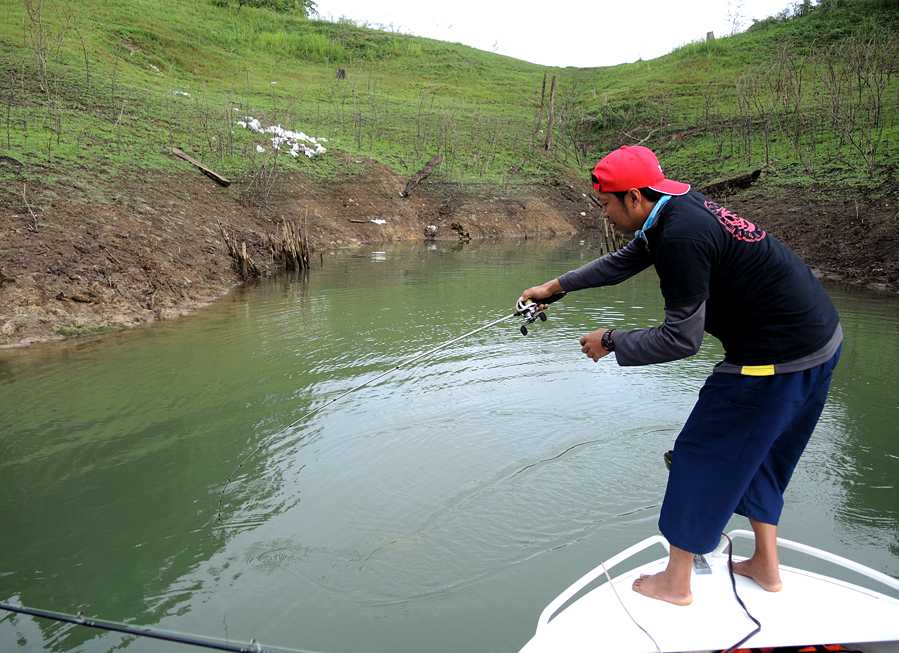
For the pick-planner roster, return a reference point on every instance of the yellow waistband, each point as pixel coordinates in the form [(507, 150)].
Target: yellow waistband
[(757, 370)]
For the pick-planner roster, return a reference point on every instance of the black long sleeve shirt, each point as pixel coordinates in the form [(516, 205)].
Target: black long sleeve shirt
[(722, 274)]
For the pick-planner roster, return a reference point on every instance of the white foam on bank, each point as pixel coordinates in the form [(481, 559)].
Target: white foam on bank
[(295, 143)]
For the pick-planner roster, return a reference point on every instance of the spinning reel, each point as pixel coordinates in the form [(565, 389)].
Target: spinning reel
[(532, 312)]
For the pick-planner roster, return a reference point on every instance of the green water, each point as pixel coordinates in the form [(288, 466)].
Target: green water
[(438, 509)]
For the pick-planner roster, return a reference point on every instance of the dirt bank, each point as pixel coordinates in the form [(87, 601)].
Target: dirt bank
[(855, 240), (75, 261)]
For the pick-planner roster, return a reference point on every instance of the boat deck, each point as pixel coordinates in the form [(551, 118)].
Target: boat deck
[(811, 608)]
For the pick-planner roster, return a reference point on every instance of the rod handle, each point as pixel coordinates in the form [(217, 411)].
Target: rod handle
[(521, 308)]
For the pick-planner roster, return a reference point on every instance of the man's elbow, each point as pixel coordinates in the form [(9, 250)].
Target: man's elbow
[(686, 347), (692, 348)]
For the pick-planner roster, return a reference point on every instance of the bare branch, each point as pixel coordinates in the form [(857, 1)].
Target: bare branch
[(33, 226)]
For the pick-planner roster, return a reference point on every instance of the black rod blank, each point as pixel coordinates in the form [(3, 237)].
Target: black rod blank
[(144, 631)]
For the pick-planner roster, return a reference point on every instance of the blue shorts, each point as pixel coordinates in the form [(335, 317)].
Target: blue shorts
[(737, 452)]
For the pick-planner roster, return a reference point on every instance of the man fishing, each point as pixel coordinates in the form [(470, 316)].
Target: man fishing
[(722, 274)]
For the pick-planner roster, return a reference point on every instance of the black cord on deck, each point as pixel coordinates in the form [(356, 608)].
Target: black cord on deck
[(733, 582)]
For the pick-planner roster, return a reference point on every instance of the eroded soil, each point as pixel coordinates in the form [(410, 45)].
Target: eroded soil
[(77, 260)]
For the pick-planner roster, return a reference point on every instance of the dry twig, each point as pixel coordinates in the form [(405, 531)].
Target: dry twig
[(33, 226)]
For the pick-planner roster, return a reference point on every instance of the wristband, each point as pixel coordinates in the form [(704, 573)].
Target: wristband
[(606, 341)]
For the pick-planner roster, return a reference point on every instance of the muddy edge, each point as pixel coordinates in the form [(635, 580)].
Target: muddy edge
[(76, 261)]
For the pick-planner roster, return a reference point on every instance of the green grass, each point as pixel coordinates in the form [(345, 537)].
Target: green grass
[(687, 102), (117, 80)]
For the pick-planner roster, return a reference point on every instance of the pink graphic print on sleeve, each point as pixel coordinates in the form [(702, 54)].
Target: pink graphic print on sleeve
[(737, 226)]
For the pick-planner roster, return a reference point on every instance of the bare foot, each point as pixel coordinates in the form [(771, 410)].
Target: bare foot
[(768, 579), (659, 586)]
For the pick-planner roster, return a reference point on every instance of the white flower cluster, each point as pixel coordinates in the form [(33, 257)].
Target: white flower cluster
[(296, 143)]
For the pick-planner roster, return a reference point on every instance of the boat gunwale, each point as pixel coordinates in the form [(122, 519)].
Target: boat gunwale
[(564, 599)]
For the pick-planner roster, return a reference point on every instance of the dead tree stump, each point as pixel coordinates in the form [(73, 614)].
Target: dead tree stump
[(290, 246), (464, 236), (238, 252), (548, 143)]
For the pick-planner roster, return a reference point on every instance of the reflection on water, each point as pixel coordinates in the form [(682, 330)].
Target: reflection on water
[(866, 459), (439, 508)]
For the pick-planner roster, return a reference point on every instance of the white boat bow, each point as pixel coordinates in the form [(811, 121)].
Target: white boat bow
[(811, 609)]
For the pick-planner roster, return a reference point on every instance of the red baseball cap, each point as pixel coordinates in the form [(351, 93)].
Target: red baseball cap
[(633, 166)]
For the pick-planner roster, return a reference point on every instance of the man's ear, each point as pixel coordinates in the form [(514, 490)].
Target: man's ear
[(634, 197)]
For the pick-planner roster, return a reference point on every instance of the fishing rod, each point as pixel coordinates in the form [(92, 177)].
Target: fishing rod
[(530, 311), (154, 633)]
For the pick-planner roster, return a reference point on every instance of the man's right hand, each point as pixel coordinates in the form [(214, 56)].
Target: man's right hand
[(543, 291)]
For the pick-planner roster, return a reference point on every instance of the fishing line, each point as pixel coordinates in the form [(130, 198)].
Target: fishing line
[(531, 312), (628, 612), (733, 580), (556, 457), (153, 633)]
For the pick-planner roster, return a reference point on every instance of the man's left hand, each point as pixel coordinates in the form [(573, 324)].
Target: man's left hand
[(591, 345)]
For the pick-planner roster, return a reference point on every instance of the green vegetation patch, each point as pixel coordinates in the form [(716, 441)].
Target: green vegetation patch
[(107, 87)]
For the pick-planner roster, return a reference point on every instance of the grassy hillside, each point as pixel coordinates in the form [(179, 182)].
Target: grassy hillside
[(813, 99), (131, 77), (105, 87)]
